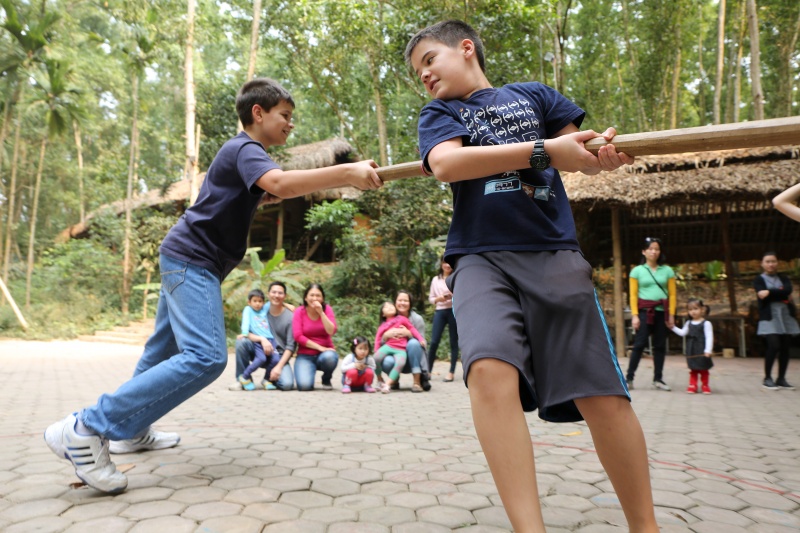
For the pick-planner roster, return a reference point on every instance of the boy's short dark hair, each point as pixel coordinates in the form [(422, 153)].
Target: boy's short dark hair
[(451, 33), (265, 92), (256, 292)]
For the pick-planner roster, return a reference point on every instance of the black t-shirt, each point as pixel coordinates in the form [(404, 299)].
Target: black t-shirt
[(525, 210), (213, 232)]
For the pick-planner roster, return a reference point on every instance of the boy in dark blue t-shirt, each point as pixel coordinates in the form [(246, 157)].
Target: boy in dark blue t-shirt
[(187, 350), (519, 273)]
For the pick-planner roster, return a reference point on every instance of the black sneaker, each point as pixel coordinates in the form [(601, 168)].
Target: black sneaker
[(783, 384), (660, 385), (425, 381), (769, 384)]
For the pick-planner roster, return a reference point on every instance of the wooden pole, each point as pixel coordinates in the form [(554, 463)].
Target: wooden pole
[(279, 238), (753, 134), (13, 305), (619, 318), (724, 223)]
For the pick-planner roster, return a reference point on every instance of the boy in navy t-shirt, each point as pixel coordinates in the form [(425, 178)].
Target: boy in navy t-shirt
[(519, 272), (187, 350)]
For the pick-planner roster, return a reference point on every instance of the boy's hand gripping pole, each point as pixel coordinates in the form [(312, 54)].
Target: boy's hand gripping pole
[(753, 134)]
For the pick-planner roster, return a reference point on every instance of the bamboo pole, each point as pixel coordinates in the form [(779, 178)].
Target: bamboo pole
[(753, 134), (13, 305)]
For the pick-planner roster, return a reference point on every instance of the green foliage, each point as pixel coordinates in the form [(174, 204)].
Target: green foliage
[(331, 219), (355, 316)]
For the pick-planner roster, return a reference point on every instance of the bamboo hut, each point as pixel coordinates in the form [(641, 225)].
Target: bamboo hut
[(705, 206), (276, 226)]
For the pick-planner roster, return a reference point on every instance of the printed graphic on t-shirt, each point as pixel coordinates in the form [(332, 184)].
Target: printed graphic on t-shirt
[(508, 123), (511, 122)]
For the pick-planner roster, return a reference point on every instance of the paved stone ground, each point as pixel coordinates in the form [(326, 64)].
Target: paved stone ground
[(325, 462)]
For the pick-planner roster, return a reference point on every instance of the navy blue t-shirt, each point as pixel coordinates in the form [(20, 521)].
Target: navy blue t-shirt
[(213, 232), (525, 210)]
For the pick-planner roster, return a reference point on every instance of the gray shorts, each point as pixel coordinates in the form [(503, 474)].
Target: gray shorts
[(539, 312)]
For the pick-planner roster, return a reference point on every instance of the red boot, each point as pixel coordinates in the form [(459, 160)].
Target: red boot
[(692, 382), (704, 379)]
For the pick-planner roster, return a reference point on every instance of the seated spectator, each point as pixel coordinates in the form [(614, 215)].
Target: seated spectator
[(395, 346), (313, 326), (280, 323), (358, 367), (255, 327), (417, 362)]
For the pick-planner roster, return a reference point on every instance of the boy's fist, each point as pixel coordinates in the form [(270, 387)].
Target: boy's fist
[(362, 175)]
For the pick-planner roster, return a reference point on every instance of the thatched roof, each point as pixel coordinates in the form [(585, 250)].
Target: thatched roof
[(689, 178), (307, 156), (686, 200)]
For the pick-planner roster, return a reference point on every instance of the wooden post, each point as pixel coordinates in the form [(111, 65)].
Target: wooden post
[(13, 305), (279, 238), (724, 222), (619, 317)]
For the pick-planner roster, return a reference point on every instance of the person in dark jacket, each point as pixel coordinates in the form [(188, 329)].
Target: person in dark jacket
[(776, 319)]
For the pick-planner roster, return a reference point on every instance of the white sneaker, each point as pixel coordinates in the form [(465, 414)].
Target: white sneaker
[(88, 454), (235, 386), (152, 440), (660, 385)]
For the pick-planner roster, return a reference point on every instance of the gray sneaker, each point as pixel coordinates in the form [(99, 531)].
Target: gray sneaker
[(782, 383), (629, 383), (660, 385), (769, 384), (152, 440), (88, 454)]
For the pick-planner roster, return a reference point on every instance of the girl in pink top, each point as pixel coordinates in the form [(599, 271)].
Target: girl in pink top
[(313, 326), (395, 346)]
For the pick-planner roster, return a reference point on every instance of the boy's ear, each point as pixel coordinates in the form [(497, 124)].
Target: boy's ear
[(257, 112), (468, 48)]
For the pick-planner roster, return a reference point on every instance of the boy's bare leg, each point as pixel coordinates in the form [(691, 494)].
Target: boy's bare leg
[(506, 442), (620, 445)]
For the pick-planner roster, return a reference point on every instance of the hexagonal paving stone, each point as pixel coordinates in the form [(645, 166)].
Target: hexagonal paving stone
[(173, 524), (464, 500), (271, 512), (411, 500), (387, 515), (42, 524), (574, 503), (335, 487), (151, 494), (21, 512), (91, 511), (207, 510), (359, 502), (198, 495), (772, 516), (108, 524), (361, 475), (143, 511), (710, 514), (233, 523), (286, 483), (249, 495), (329, 515), (357, 527), (305, 499)]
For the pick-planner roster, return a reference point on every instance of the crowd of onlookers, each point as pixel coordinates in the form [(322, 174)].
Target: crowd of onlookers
[(273, 331)]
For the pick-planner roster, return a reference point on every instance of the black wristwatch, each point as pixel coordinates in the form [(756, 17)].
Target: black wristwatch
[(539, 159)]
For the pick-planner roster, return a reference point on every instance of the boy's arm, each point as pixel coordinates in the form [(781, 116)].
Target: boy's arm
[(245, 321), (786, 202), (451, 161), (294, 183)]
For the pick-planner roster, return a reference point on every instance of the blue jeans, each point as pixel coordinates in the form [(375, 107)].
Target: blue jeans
[(412, 366), (245, 352), (306, 366), (185, 353), (442, 318)]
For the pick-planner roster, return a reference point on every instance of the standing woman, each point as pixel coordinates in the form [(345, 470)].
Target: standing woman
[(313, 326), (442, 298), (776, 319), (653, 303), (416, 363)]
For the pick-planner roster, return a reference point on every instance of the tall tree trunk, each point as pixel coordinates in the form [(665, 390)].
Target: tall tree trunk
[(251, 62), (79, 146), (755, 61), (676, 76), (737, 90), (640, 115), (3, 134), (380, 115), (132, 174), (34, 215), (190, 165), (720, 62), (12, 191), (786, 51)]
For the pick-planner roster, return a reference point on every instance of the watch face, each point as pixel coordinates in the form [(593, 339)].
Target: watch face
[(540, 161)]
